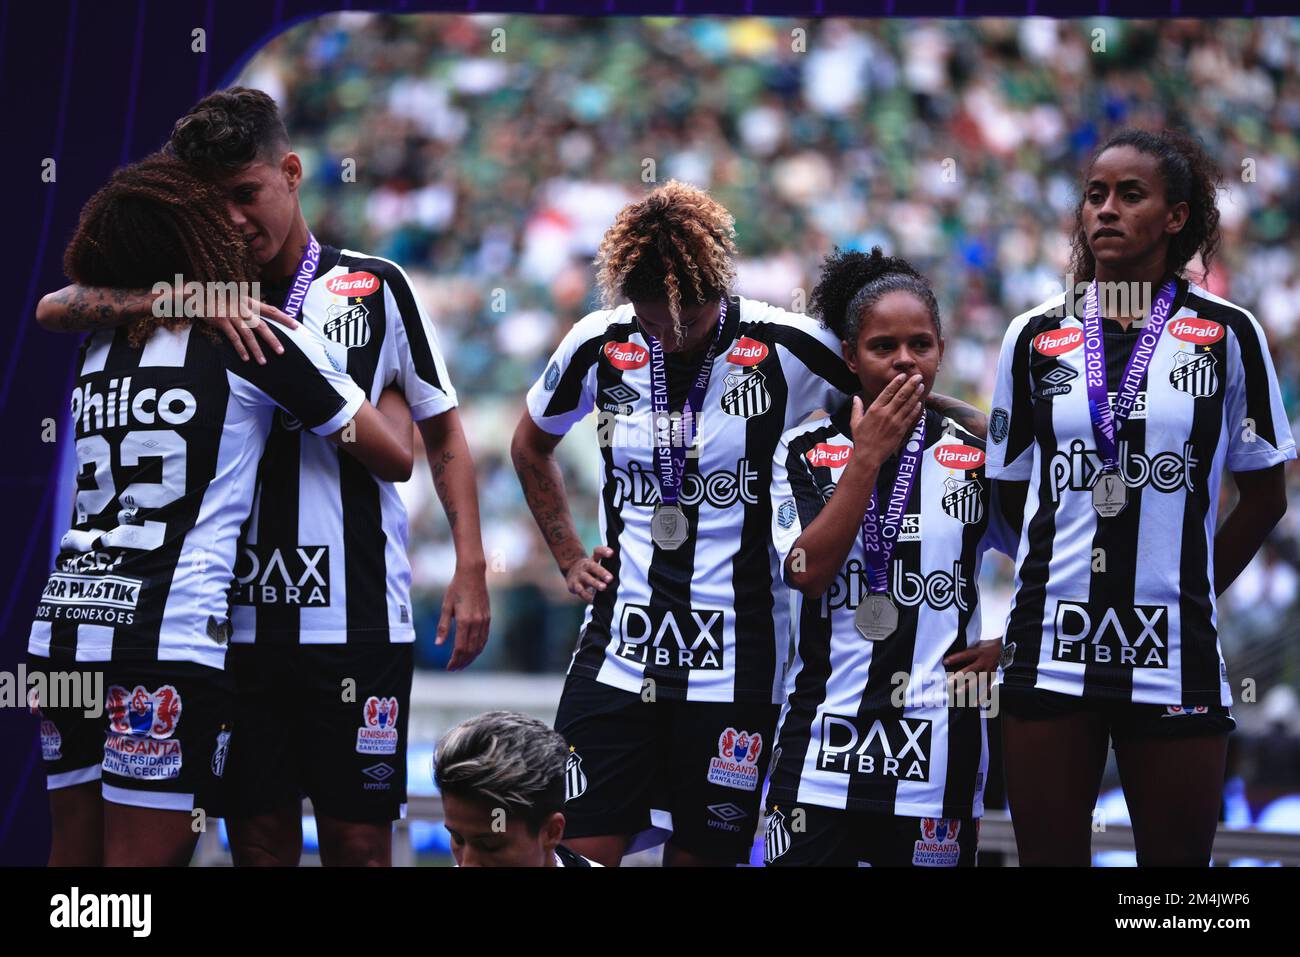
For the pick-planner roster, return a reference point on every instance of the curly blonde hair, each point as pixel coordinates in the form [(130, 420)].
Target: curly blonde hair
[(677, 244)]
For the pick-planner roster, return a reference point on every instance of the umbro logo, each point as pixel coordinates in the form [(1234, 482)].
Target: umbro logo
[(618, 398), (1055, 381), (378, 772)]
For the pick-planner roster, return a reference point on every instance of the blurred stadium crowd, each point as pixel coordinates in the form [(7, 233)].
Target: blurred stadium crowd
[(490, 153)]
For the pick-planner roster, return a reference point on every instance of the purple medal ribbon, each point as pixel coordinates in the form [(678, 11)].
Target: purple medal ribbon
[(302, 279), (670, 462), (1105, 422), (879, 535)]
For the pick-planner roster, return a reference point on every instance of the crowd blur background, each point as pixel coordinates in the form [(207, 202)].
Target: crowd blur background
[(488, 154)]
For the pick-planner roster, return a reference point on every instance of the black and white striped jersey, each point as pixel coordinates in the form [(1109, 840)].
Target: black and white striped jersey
[(702, 620), (1124, 607), (168, 438), (324, 559), (866, 725)]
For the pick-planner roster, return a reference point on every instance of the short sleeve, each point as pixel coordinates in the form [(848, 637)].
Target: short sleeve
[(796, 500), (303, 381), (566, 391), (816, 375), (421, 370), (1259, 435), (1011, 427), (998, 533)]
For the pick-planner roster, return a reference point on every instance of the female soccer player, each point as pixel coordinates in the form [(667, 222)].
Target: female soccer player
[(880, 518), (1113, 422), (170, 425), (672, 694)]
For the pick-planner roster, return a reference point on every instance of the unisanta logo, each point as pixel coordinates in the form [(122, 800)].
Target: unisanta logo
[(1056, 342), (747, 352), (825, 455), (353, 284), (626, 355), (1196, 330), (961, 457)]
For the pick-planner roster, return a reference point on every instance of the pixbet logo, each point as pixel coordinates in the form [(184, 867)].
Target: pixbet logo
[(638, 485), (1078, 468), (938, 589)]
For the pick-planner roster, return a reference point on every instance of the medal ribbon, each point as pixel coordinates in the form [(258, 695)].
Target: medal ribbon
[(302, 278), (670, 459), (1105, 422), (879, 535)]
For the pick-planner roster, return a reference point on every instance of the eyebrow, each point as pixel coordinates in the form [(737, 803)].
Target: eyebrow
[(1122, 184)]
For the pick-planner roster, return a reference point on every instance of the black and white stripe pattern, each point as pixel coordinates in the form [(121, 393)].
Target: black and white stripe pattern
[(324, 561), (852, 736), (703, 621), (1124, 607), (168, 438)]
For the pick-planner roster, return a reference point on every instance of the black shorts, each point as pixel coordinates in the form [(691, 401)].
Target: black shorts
[(326, 722), (1125, 719), (687, 770), (159, 738), (808, 835)]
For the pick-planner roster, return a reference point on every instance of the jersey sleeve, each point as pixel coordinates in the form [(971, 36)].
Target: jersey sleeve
[(998, 533), (1259, 435), (303, 381), (796, 500), (566, 391), (421, 370), (1011, 428), (816, 376)]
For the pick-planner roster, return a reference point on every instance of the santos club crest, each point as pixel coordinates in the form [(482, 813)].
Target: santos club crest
[(1195, 373), (962, 501), (347, 325), (745, 394)]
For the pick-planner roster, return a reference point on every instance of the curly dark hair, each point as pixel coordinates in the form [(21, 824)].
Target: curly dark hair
[(852, 282), (229, 129), (152, 221), (675, 245), (1190, 176)]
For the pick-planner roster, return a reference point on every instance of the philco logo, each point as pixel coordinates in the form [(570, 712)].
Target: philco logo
[(1057, 342), (626, 355), (963, 457), (823, 454), (353, 284), (748, 352), (1196, 330)]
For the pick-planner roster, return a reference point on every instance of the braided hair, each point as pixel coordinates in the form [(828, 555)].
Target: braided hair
[(152, 221), (676, 244), (1190, 177), (853, 282)]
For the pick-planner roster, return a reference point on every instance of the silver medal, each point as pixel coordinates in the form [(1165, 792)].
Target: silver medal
[(1109, 494), (876, 617), (668, 527)]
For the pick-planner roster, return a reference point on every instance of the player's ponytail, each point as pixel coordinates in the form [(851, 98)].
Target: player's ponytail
[(1190, 176), (852, 282)]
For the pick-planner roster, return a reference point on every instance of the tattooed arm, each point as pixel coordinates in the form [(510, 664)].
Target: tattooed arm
[(533, 453), (91, 308), (466, 599), (967, 416)]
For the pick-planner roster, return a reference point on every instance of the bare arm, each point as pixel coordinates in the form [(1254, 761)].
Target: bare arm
[(91, 308), (819, 553), (1260, 505), (533, 453), (967, 416), (381, 438), (466, 600)]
